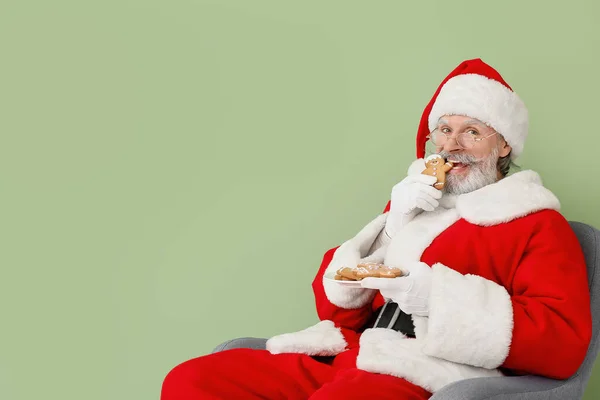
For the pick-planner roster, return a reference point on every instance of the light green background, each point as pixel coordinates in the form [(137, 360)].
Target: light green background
[(171, 172)]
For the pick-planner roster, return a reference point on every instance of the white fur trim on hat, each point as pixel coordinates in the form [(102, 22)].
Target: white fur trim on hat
[(487, 100)]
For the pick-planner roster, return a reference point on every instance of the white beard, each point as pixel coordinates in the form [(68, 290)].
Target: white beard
[(481, 173)]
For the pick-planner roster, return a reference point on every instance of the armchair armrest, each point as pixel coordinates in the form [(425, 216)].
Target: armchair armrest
[(511, 387), (242, 343)]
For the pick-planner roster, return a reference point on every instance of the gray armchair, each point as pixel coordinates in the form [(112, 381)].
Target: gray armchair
[(521, 387)]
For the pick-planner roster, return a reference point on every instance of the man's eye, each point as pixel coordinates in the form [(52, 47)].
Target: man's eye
[(473, 132), (446, 130)]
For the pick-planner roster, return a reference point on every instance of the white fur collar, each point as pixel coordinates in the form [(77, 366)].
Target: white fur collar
[(515, 196), (510, 198)]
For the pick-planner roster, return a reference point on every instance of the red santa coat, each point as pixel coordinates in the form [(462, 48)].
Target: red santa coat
[(509, 292)]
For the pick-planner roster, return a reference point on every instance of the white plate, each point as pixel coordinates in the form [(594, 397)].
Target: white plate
[(330, 277), (356, 284)]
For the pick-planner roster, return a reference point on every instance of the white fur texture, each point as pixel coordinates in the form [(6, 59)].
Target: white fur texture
[(487, 100), (470, 319), (344, 296), (421, 326), (515, 196), (349, 254), (386, 351), (322, 339), (409, 243)]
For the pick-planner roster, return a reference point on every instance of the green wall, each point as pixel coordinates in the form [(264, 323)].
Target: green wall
[(171, 172)]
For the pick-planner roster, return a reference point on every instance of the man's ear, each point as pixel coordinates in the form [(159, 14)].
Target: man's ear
[(505, 149)]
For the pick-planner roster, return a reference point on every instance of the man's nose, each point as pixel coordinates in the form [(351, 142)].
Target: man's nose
[(451, 145)]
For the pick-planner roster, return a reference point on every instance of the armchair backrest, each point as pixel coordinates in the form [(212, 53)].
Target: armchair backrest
[(589, 238)]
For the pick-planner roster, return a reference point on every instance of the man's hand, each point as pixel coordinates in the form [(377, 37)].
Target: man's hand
[(413, 194), (411, 292), (415, 191)]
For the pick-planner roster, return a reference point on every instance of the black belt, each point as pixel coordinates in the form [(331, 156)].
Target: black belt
[(390, 316)]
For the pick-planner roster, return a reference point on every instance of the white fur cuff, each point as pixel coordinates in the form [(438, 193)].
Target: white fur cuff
[(470, 319), (386, 351), (347, 297), (322, 339)]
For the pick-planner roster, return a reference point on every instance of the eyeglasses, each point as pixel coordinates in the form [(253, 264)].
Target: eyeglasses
[(465, 140)]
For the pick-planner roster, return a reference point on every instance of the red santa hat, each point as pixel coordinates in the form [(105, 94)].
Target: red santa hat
[(476, 90)]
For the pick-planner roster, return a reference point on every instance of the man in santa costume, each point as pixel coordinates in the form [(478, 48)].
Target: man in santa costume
[(496, 280)]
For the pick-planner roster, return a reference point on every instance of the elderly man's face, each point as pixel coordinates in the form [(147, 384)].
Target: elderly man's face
[(475, 161)]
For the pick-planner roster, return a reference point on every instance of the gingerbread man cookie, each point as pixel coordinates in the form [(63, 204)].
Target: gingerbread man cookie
[(437, 166), (366, 270)]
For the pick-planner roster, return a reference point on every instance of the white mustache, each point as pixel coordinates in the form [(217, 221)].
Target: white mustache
[(461, 158)]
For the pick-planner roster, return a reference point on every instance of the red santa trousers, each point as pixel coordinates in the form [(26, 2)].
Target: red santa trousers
[(258, 374)]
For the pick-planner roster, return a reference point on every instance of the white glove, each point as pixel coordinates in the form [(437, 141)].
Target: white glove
[(409, 197), (411, 292)]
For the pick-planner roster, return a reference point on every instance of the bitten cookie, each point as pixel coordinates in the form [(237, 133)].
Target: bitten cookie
[(437, 166), (367, 270)]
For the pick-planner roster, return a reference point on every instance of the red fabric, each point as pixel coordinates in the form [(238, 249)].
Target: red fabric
[(474, 66), (257, 374), (539, 261)]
